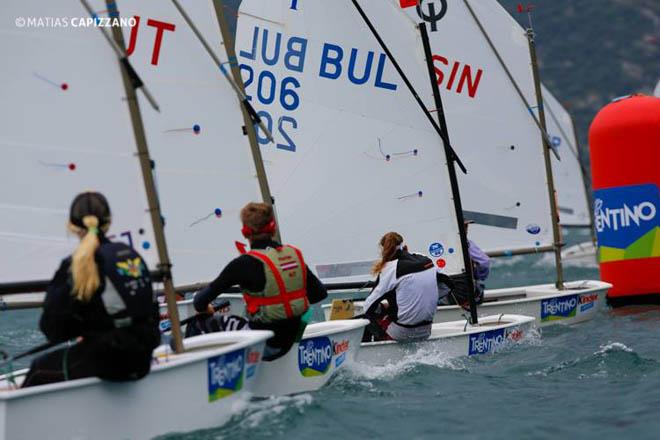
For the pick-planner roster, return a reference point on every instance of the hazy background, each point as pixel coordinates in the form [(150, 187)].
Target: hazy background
[(591, 51)]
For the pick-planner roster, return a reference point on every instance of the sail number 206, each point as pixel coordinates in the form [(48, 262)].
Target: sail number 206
[(269, 91)]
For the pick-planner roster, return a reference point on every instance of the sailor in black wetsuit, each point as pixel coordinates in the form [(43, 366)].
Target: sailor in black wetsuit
[(410, 285), (103, 296), (278, 286)]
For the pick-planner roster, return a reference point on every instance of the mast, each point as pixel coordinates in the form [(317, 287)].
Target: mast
[(250, 116), (443, 135), (129, 78), (450, 153), (230, 48), (452, 171), (574, 149), (556, 230)]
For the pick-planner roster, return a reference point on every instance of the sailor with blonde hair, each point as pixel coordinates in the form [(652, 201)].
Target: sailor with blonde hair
[(101, 296)]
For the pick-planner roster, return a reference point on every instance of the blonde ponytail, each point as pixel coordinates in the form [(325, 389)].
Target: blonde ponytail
[(84, 270), (389, 244)]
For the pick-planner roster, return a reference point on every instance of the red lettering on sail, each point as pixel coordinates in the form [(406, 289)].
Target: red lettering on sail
[(133, 37), (462, 77), (160, 26)]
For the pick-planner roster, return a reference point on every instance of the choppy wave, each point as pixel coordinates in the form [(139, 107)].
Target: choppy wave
[(423, 356), (261, 410), (255, 419), (614, 359), (430, 356)]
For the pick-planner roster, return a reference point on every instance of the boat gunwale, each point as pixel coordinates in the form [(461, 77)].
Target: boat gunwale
[(512, 320), (244, 340), (601, 287), (344, 325)]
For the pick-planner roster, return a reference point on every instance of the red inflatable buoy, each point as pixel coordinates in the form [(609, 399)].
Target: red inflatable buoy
[(624, 142)]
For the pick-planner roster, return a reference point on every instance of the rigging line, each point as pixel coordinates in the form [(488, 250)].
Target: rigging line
[(239, 92), (544, 134), (123, 57), (388, 156), (454, 157), (256, 17), (572, 148)]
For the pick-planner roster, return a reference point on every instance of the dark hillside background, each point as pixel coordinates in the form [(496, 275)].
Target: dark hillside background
[(591, 51)]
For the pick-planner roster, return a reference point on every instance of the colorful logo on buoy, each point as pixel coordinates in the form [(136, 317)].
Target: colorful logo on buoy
[(315, 356), (627, 222), (555, 309), (225, 374), (436, 249)]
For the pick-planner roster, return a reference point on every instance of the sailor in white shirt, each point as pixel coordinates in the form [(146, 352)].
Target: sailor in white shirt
[(409, 284)]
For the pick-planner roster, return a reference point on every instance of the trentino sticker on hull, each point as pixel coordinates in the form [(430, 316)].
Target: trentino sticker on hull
[(225, 374), (314, 356), (555, 309), (486, 342)]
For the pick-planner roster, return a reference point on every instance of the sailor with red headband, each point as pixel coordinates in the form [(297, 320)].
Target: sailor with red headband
[(277, 284)]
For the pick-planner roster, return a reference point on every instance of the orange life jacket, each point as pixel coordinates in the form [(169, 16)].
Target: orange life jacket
[(284, 295)]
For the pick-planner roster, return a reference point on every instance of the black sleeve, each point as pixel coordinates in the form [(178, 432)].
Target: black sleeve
[(444, 279), (58, 321), (230, 276), (316, 291)]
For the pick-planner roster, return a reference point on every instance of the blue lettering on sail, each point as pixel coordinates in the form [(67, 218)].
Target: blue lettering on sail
[(277, 96)]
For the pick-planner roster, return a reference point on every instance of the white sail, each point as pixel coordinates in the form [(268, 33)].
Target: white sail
[(203, 160), (355, 155), (64, 128), (490, 127), (657, 90), (572, 197)]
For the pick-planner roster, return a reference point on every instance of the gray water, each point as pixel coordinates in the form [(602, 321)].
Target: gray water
[(600, 379)]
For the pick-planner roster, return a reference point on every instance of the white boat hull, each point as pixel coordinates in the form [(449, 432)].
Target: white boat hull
[(203, 387), (453, 339), (548, 305), (326, 348)]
